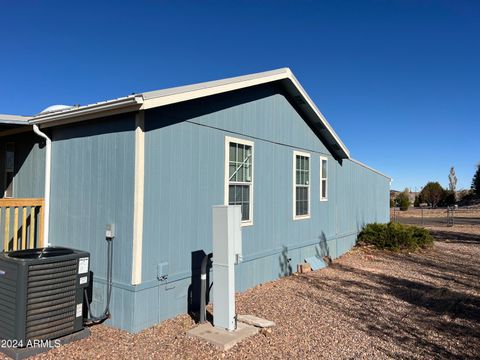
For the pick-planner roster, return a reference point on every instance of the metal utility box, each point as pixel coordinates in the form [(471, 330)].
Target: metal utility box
[(41, 293), (227, 251)]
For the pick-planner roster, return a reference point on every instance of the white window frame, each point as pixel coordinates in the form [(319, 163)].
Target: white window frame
[(228, 140), (323, 158), (294, 181)]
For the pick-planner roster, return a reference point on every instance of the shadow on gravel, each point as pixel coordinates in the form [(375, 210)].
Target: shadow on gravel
[(455, 237), (420, 319)]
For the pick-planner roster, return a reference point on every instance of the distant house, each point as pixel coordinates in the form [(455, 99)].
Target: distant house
[(155, 163)]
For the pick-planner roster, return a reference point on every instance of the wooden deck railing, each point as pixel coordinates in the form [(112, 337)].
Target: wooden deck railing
[(24, 228)]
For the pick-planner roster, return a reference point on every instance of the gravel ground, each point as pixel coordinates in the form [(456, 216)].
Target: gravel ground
[(367, 304)]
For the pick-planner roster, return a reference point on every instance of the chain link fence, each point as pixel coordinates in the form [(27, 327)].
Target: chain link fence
[(448, 217)]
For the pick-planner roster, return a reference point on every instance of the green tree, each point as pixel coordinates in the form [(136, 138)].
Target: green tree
[(403, 200), (476, 181), (432, 193), (417, 201), (449, 198)]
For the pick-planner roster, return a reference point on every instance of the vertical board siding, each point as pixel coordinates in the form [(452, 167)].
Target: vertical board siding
[(92, 185), (184, 178), (29, 172)]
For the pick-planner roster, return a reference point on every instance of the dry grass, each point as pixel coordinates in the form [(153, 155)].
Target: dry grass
[(435, 213), (368, 304)]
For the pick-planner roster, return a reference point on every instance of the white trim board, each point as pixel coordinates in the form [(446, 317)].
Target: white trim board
[(138, 198)]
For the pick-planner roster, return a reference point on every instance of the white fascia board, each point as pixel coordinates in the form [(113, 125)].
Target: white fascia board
[(214, 89), (191, 92), (14, 119), (160, 98), (89, 111), (370, 168), (317, 112)]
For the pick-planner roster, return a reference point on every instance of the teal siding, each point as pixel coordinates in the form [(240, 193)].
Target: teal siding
[(92, 185), (29, 175), (184, 177)]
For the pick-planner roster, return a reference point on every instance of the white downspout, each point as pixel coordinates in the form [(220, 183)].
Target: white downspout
[(48, 156)]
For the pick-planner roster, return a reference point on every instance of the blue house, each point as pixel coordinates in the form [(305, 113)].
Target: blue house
[(155, 163)]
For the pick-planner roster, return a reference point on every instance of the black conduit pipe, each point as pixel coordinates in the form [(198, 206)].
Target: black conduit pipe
[(203, 288), (93, 319)]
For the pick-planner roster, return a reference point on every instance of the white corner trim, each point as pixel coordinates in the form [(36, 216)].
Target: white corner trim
[(228, 140), (321, 178), (294, 183), (138, 198)]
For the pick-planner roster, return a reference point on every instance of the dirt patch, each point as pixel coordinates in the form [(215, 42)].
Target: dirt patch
[(368, 304)]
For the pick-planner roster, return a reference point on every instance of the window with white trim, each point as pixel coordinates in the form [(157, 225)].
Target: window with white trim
[(323, 178), (9, 169), (239, 176), (301, 185)]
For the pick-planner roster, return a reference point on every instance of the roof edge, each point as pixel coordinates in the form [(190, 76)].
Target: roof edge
[(88, 111), (14, 119), (174, 95), (370, 168)]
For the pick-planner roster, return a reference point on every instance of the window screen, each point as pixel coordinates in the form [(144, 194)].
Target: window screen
[(240, 179)]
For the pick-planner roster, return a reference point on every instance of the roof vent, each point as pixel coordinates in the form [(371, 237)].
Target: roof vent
[(55, 108)]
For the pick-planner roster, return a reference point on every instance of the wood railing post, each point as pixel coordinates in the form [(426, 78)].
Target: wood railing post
[(7, 227), (15, 228), (40, 227), (32, 227), (5, 244), (24, 227)]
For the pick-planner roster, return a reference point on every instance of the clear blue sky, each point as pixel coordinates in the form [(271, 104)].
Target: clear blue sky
[(398, 80)]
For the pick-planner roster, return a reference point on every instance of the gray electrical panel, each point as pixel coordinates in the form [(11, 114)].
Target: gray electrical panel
[(227, 251), (41, 293)]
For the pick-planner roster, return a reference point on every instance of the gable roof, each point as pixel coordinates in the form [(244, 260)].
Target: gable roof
[(152, 99)]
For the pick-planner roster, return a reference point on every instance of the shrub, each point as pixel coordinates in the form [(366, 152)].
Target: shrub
[(403, 200), (394, 236)]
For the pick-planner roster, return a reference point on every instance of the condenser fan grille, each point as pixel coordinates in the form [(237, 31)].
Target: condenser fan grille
[(51, 293)]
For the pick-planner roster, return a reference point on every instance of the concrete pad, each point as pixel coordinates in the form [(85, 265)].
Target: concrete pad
[(221, 338), (255, 321), (23, 353)]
